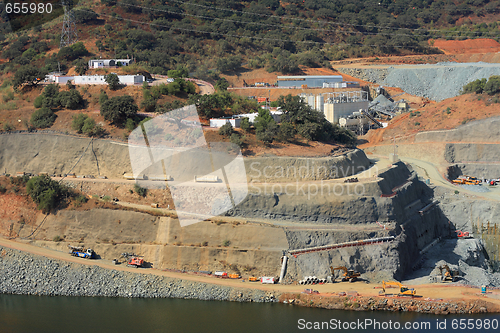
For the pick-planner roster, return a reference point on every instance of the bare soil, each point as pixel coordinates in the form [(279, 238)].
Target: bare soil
[(446, 114)]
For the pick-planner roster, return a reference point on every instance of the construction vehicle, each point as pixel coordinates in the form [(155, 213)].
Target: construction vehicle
[(79, 251), (466, 180), (133, 260), (462, 234), (403, 290), (253, 279), (449, 274), (349, 274)]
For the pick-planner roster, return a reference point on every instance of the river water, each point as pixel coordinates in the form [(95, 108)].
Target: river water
[(40, 314)]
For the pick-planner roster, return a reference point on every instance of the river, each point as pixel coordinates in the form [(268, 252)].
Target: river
[(40, 314)]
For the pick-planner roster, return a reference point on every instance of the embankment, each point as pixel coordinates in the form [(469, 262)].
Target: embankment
[(25, 273), (434, 81)]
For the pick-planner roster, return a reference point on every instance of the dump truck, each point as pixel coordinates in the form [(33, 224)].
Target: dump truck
[(449, 274), (349, 274), (79, 251), (403, 290), (466, 180)]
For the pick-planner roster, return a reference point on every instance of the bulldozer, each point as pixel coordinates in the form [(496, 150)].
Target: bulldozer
[(449, 274), (403, 290), (349, 274)]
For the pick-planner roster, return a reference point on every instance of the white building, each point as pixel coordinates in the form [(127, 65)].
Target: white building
[(219, 122), (100, 79), (102, 63)]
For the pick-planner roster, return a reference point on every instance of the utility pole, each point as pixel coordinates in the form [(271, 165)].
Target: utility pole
[(68, 35)]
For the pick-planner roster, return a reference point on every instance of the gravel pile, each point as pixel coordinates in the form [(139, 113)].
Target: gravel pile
[(24, 273), (437, 81)]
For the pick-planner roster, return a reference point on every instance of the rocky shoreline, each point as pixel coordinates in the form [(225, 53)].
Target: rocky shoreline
[(29, 274)]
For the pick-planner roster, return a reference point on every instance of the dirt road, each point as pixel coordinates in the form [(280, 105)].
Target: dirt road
[(427, 292)]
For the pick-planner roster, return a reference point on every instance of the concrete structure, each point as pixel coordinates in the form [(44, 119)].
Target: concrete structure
[(100, 79), (315, 101), (309, 81), (219, 122), (102, 63), (343, 104)]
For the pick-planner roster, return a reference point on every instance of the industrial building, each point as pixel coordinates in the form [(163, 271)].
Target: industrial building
[(343, 104), (103, 63), (315, 101), (308, 81)]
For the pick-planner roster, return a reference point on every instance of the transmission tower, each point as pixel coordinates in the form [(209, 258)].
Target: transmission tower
[(68, 34)]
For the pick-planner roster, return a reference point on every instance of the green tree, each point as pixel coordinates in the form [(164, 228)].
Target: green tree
[(29, 75), (263, 120), (245, 124), (90, 128), (222, 85), (493, 85), (286, 131), (117, 109), (112, 80), (226, 129), (476, 86), (70, 99), (45, 192), (43, 118), (81, 66)]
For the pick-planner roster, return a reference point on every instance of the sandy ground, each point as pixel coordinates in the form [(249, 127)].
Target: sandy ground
[(426, 291)]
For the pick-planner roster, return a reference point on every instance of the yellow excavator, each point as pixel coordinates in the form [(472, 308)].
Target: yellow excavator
[(449, 275), (349, 274), (403, 290)]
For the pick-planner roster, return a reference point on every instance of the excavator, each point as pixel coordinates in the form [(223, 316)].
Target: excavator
[(133, 260), (403, 290), (449, 275), (349, 274)]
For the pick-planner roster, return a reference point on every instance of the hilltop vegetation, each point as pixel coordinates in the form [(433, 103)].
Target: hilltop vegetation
[(266, 33)]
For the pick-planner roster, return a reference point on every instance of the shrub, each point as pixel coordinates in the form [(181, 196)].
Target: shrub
[(43, 118), (45, 192), (226, 243), (226, 130), (7, 127), (57, 238), (77, 122), (38, 102), (140, 190), (103, 97), (8, 97), (2, 189)]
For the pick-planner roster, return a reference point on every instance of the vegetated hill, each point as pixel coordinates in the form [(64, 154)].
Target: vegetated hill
[(447, 114), (267, 33)]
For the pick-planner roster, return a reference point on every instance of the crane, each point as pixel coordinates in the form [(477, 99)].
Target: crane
[(349, 274), (403, 290)]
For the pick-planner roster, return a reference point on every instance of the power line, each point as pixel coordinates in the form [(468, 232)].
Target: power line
[(240, 36), (282, 25), (309, 20)]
